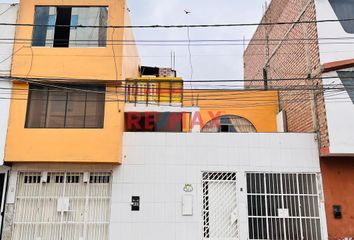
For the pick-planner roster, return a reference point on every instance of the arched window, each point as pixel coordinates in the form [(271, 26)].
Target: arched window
[(229, 123)]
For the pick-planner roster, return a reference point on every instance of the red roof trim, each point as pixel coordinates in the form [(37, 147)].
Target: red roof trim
[(338, 65)]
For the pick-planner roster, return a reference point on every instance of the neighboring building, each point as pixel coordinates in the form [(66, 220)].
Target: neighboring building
[(315, 61), (8, 15), (67, 108)]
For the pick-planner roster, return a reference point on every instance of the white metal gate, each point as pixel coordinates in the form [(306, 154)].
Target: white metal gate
[(283, 206), (62, 206), (220, 213)]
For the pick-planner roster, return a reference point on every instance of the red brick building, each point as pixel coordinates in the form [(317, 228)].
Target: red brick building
[(307, 60)]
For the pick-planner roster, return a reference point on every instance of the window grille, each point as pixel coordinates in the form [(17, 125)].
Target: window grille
[(283, 206), (219, 205), (39, 214)]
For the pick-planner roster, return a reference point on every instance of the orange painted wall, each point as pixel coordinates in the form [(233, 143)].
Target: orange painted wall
[(70, 145), (63, 145), (259, 107), (338, 185), (90, 63)]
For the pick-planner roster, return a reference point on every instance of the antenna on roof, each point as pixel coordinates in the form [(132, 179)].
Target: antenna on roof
[(174, 60)]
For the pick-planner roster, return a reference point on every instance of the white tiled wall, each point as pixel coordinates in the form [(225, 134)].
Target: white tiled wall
[(156, 166), (340, 117)]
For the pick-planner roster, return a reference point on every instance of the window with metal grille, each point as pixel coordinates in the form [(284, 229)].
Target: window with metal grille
[(283, 206), (219, 205), (60, 107), (35, 178), (100, 178), (70, 207)]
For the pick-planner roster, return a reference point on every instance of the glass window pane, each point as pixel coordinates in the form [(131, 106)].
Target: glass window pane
[(95, 109), (56, 108), (43, 35), (88, 37), (225, 120), (37, 106), (75, 112), (59, 36)]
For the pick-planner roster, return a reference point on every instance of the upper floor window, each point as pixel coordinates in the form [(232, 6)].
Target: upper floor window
[(344, 9), (50, 107), (60, 26)]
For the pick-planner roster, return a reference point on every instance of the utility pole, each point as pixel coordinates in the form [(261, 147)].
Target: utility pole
[(311, 82), (266, 37), (265, 78)]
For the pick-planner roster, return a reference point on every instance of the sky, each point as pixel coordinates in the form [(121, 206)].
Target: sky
[(208, 62)]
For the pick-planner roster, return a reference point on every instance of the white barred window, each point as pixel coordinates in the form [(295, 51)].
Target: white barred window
[(283, 206)]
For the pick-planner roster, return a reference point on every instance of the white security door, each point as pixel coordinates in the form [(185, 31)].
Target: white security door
[(62, 206), (219, 205)]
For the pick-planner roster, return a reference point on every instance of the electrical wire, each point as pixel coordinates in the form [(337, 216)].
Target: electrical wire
[(217, 44), (120, 81), (193, 40), (5, 11), (185, 25), (293, 88)]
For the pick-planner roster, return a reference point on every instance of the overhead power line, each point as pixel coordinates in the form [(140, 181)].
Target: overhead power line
[(87, 43), (282, 88), (234, 100), (185, 25), (63, 79), (191, 40)]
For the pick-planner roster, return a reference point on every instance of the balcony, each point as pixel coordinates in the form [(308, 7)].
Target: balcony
[(154, 91)]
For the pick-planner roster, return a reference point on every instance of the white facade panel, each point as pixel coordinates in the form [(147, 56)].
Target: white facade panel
[(340, 117), (189, 186), (9, 15), (161, 168)]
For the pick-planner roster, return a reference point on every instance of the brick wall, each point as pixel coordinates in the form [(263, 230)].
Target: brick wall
[(290, 57)]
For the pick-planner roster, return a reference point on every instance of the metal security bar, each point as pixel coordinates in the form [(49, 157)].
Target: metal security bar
[(283, 206), (220, 214), (62, 206), (165, 92)]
